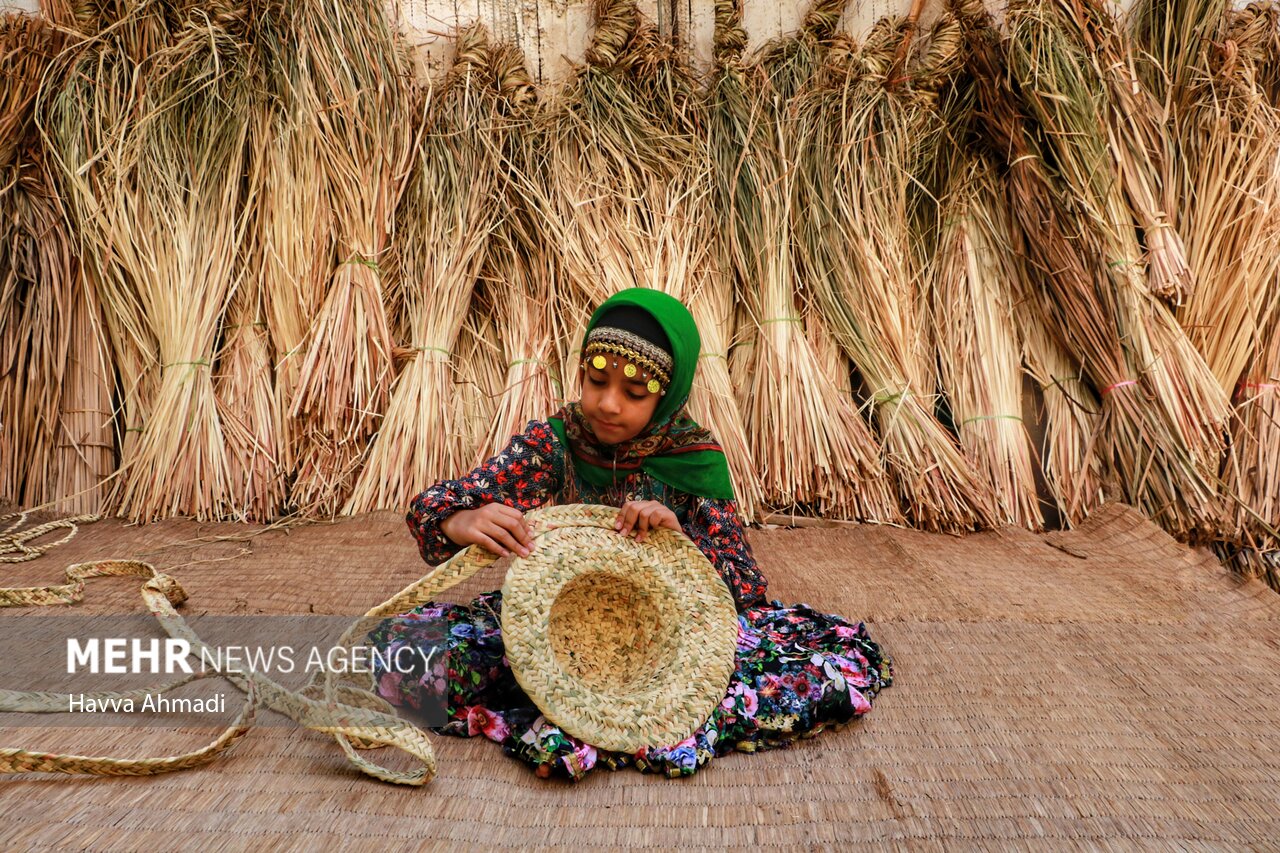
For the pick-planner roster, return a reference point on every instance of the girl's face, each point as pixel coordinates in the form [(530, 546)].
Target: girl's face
[(617, 407)]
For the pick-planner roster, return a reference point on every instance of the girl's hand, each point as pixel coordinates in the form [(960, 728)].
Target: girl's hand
[(643, 516), (497, 527)]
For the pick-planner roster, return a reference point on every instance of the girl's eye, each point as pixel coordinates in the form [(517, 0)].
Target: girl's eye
[(636, 397), (596, 382)]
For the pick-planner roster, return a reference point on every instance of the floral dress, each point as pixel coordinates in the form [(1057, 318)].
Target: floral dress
[(798, 670)]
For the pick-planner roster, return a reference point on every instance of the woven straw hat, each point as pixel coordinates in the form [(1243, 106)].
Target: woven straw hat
[(623, 645)]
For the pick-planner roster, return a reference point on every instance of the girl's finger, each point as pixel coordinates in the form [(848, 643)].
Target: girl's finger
[(504, 538), (626, 519), (520, 530), (491, 546), (643, 522)]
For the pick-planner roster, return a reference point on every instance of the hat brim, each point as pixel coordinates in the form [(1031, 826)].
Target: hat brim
[(620, 644)]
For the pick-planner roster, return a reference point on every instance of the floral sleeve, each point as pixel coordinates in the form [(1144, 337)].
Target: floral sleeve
[(717, 531), (524, 475)]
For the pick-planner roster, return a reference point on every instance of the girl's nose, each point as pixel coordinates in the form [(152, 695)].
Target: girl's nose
[(610, 403)]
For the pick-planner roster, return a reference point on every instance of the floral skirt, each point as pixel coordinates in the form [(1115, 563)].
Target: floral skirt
[(798, 672)]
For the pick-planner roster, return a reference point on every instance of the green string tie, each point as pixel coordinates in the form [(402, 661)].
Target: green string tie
[(526, 361), (173, 363), (364, 262), (990, 418), (888, 398)]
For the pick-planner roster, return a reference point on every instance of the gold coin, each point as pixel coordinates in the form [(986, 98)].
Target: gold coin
[(598, 362), (654, 387), (630, 370)]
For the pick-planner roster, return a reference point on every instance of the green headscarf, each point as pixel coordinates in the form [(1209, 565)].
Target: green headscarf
[(672, 448)]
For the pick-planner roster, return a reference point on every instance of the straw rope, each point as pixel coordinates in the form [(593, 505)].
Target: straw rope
[(14, 547), (346, 713)]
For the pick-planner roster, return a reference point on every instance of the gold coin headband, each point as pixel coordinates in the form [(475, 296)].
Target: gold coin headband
[(647, 359)]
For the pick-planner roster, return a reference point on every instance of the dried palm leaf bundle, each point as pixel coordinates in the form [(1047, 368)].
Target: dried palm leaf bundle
[(520, 274), (1070, 416), (478, 380), (89, 107), (1252, 467), (609, 192), (86, 445), (1139, 139), (1161, 410), (1230, 166), (812, 448), (28, 45), (93, 17), (978, 343), (244, 383), (1265, 19), (446, 218), (358, 94), (56, 446), (293, 224), (861, 137), (1172, 37), (625, 198), (183, 200), (518, 281), (37, 281), (1065, 96), (36, 271), (714, 400), (742, 354)]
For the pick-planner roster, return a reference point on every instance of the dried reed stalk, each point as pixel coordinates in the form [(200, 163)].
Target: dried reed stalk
[(978, 343), (36, 272), (1252, 468), (809, 442), (714, 400), (445, 221), (1161, 411), (1073, 474), (357, 93), (88, 106), (293, 225), (480, 372), (861, 138), (185, 206), (86, 445), (244, 378), (37, 280), (1230, 166), (610, 194), (1238, 101), (519, 276), (1139, 137)]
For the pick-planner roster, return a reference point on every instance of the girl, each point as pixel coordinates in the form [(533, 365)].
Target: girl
[(629, 443)]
